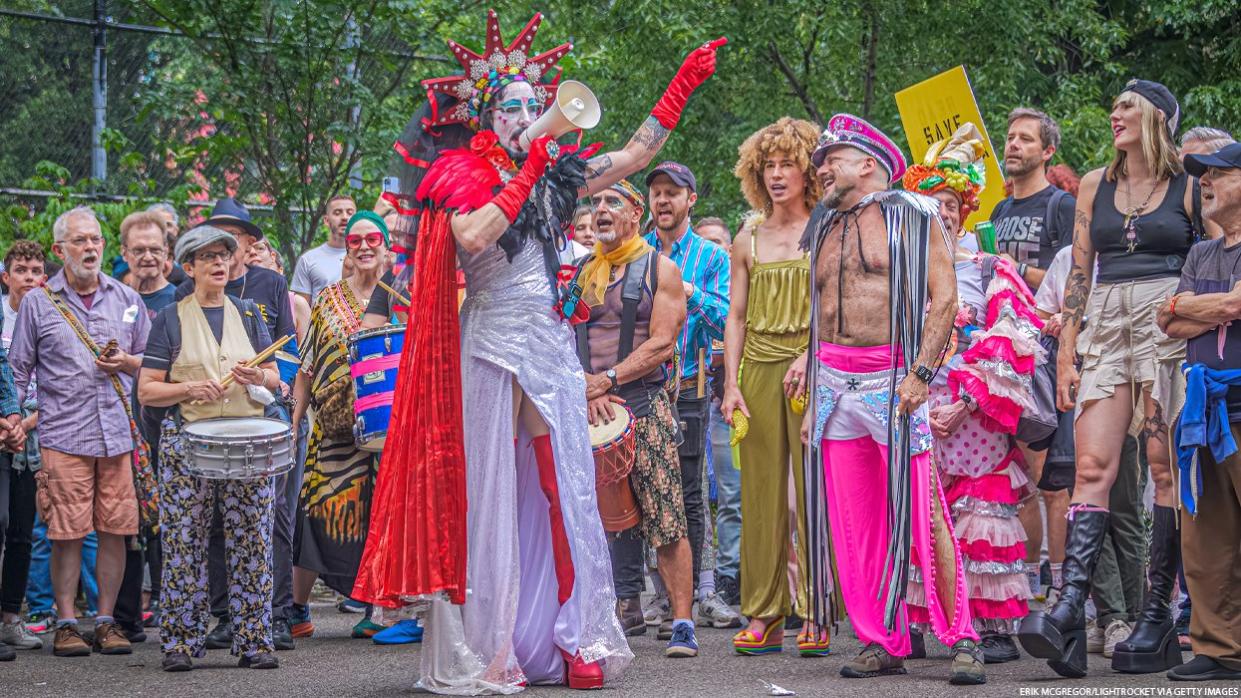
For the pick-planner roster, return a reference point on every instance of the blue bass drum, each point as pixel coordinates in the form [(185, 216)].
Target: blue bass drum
[(374, 355)]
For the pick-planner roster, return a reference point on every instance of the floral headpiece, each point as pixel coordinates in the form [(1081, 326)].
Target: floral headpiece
[(491, 71), (955, 164)]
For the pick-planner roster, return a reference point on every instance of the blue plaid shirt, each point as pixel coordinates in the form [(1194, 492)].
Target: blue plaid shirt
[(8, 392), (705, 265)]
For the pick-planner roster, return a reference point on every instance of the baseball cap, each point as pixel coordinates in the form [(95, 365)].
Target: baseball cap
[(1228, 157), (680, 175)]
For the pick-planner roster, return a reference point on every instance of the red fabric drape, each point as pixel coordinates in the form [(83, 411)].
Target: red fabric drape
[(416, 543)]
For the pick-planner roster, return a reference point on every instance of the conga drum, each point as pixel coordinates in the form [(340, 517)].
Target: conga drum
[(613, 446)]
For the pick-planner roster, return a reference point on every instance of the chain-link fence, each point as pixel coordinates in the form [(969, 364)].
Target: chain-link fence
[(77, 77)]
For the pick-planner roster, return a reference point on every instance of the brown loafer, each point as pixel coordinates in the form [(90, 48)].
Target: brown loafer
[(68, 642), (110, 639)]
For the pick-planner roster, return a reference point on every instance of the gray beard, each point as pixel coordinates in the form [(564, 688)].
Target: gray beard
[(606, 237)]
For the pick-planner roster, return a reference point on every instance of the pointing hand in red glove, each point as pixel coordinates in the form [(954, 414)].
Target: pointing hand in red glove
[(698, 66)]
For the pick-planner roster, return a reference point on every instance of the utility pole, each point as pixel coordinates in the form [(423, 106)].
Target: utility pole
[(352, 39), (99, 94)]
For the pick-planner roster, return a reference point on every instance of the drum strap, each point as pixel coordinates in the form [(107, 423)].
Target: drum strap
[(645, 268)]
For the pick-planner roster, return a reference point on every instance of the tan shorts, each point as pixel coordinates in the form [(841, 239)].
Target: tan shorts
[(1123, 345), (80, 494)]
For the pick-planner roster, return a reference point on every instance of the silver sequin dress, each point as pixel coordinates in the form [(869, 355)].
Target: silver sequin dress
[(512, 628)]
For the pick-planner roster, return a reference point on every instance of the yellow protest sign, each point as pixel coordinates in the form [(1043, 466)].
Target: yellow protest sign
[(932, 110)]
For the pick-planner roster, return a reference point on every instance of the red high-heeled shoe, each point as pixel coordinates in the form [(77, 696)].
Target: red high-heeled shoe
[(581, 675)]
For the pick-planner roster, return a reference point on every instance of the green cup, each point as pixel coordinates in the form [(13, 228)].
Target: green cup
[(985, 233)]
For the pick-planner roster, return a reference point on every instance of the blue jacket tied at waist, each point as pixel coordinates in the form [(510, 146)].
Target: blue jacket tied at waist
[(1203, 423)]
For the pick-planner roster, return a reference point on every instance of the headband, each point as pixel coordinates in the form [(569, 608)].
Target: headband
[(365, 215), (627, 190)]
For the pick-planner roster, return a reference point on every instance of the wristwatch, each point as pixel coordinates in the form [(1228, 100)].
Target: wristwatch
[(923, 374), (611, 374)]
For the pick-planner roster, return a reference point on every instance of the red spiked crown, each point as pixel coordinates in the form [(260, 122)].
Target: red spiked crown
[(497, 66)]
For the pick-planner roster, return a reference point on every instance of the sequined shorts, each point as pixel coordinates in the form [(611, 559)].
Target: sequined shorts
[(853, 405)]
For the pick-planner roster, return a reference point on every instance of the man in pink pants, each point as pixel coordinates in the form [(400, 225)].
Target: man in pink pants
[(878, 255)]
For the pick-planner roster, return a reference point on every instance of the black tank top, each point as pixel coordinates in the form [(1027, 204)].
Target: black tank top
[(1164, 236)]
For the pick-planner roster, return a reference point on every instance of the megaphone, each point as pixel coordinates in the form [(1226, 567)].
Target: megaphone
[(575, 108)]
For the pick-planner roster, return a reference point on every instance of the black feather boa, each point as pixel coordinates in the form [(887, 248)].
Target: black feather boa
[(548, 213)]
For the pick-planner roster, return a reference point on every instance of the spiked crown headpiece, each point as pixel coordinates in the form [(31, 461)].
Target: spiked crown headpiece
[(495, 68)]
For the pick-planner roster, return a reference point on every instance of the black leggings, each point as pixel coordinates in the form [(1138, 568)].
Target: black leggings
[(17, 507)]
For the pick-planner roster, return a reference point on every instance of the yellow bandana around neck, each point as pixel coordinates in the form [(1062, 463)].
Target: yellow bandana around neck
[(598, 271)]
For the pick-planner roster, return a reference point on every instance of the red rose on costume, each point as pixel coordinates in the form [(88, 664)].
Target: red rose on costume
[(482, 142), (486, 145)]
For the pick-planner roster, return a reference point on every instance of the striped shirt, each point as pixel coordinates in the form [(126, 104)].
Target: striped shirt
[(705, 265)]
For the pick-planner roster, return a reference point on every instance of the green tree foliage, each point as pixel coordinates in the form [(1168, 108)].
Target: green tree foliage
[(287, 102)]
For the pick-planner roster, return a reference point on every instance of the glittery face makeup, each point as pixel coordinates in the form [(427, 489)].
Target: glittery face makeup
[(516, 109)]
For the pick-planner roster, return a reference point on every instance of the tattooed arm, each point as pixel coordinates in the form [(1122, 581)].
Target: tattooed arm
[(1076, 293), (609, 168), (602, 171), (942, 287)]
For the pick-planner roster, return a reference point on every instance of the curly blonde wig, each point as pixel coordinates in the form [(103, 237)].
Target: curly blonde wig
[(794, 137)]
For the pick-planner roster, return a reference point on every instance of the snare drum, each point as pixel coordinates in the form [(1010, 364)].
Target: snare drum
[(613, 446), (374, 355), (238, 448)]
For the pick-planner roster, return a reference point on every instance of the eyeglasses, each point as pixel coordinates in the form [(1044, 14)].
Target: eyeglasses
[(221, 256), (144, 251), (354, 241)]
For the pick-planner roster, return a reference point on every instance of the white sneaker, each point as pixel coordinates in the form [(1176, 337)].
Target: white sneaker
[(714, 613), (1117, 631), (1094, 637), (16, 635), (656, 610)]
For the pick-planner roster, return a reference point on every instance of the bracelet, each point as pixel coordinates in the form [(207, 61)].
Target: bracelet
[(1022, 269), (1172, 306)]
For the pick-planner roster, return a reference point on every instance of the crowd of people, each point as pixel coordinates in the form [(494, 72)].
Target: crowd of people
[(855, 407)]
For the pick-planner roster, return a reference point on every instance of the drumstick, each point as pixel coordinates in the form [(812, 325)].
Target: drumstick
[(394, 293), (702, 371), (262, 357)]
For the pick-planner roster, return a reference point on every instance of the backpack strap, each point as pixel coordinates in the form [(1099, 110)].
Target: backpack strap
[(631, 296), (988, 272), (580, 330), (1050, 219), (1200, 232)]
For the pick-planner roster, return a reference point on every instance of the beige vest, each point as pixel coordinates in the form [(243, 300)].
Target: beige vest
[(203, 358)]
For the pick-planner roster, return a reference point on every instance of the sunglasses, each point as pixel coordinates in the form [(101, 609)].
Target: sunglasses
[(354, 241)]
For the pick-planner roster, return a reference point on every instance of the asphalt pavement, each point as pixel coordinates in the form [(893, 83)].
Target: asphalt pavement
[(333, 664)]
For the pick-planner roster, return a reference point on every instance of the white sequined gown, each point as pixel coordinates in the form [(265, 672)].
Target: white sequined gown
[(511, 628)]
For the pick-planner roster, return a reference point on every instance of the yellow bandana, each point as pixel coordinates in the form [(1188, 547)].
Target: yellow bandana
[(598, 271)]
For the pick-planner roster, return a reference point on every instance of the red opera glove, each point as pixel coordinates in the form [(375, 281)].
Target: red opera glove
[(515, 193), (698, 66)]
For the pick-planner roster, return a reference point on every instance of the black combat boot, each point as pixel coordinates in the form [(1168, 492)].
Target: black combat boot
[(1153, 646), (1059, 635)]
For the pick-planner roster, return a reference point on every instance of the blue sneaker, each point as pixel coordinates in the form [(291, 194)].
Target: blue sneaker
[(403, 633), (683, 643)]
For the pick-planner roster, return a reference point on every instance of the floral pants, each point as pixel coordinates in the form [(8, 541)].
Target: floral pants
[(185, 507)]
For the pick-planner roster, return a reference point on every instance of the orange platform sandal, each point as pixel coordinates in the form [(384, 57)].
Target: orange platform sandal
[(771, 641)]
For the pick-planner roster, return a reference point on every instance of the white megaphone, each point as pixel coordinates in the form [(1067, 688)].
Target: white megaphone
[(575, 108)]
